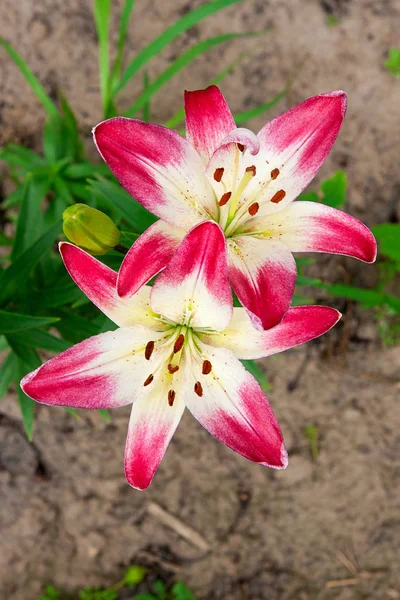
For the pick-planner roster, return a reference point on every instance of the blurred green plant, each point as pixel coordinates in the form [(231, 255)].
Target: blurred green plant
[(134, 576), (36, 293), (393, 62), (311, 433)]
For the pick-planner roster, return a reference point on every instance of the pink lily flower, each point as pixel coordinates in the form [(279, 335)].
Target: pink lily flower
[(177, 346), (244, 182)]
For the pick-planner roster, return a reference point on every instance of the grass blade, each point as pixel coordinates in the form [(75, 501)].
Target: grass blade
[(253, 367), (7, 373), (37, 338), (11, 322), (36, 86), (123, 31), (102, 20), (179, 116), (181, 62), (258, 110), (156, 46), (146, 106)]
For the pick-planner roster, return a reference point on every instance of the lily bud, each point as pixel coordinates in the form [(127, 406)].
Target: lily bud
[(90, 229)]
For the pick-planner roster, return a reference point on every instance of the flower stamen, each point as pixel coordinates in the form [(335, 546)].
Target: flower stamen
[(274, 173), (173, 368), (198, 388), (180, 340), (149, 379), (225, 198), (171, 397), (253, 209), (149, 350), (207, 366), (218, 173), (278, 197)]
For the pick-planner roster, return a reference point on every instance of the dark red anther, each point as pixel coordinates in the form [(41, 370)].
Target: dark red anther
[(276, 198), (149, 380), (251, 170), (274, 173), (149, 350), (198, 388), (225, 198), (206, 367), (179, 343), (171, 397), (241, 147), (218, 173), (173, 368), (253, 208)]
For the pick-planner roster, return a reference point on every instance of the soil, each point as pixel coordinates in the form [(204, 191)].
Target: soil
[(326, 528)]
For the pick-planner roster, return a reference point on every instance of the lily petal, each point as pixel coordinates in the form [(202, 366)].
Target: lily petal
[(147, 256), (232, 407), (300, 324), (152, 424), (263, 276), (159, 168), (293, 147), (104, 371), (314, 227), (99, 283), (194, 288), (208, 120)]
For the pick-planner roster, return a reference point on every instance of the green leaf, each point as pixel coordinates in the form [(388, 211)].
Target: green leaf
[(393, 62), (258, 110), (28, 360), (160, 589), (17, 154), (8, 372), (388, 235), (15, 197), (181, 592), (369, 298), (37, 338), (181, 62), (253, 368), (64, 292), (334, 190), (4, 240), (17, 273), (123, 31), (11, 322), (36, 86), (29, 222), (105, 414), (116, 197), (190, 19), (102, 19), (146, 105), (84, 170), (73, 145), (134, 575), (74, 327), (179, 116)]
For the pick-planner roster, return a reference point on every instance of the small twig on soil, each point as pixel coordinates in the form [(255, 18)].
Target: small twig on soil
[(341, 582), (165, 564), (347, 563), (178, 526)]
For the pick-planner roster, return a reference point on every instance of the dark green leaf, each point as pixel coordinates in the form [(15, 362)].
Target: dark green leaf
[(37, 338), (181, 592), (181, 62), (334, 190), (36, 86), (123, 30), (11, 322), (388, 235), (102, 18), (15, 197), (16, 274), (8, 373), (146, 105), (190, 19), (4, 240), (28, 360)]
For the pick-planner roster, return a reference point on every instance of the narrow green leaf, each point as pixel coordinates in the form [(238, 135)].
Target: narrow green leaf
[(4, 240), (64, 292), (123, 31), (16, 274), (180, 591), (253, 368), (334, 190), (11, 322), (146, 105), (36, 86), (102, 19), (29, 222), (393, 62), (73, 146), (75, 328), (37, 338), (179, 116), (181, 62), (84, 170), (15, 197), (105, 414), (258, 110), (157, 45), (388, 235), (8, 373), (63, 190), (116, 197), (26, 156)]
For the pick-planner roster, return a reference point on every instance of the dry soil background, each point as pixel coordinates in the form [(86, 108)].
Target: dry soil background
[(66, 514)]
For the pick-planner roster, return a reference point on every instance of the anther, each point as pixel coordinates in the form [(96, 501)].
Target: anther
[(206, 367), (251, 170), (149, 350), (274, 173), (225, 198), (253, 208), (171, 397), (173, 368), (241, 147), (276, 198), (198, 388), (149, 380), (179, 343), (218, 174)]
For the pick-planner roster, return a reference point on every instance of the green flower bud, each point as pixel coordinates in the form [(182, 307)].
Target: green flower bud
[(90, 229)]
